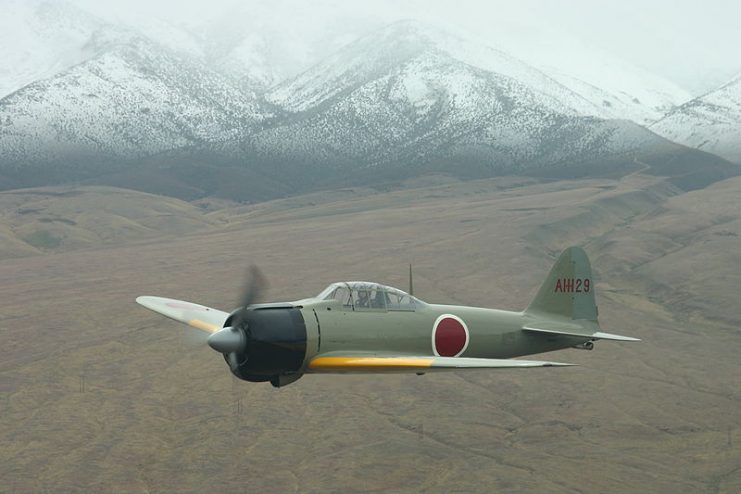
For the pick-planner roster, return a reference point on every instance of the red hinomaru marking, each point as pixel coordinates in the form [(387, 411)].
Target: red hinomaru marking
[(449, 336)]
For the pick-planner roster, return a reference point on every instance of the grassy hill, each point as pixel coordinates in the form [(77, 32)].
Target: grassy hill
[(57, 219), (99, 394)]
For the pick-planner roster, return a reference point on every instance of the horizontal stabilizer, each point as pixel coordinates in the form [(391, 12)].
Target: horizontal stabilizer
[(597, 335), (195, 315), (362, 364)]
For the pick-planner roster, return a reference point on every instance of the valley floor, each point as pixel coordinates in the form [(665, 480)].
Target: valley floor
[(100, 395)]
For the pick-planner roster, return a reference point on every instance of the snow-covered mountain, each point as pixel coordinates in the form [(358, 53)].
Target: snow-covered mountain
[(265, 43), (595, 85), (621, 89), (408, 100), (402, 101), (132, 100), (382, 50), (711, 122), (39, 39), (411, 95)]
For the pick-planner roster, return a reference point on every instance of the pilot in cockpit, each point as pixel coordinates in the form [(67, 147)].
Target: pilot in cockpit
[(362, 299), (377, 300)]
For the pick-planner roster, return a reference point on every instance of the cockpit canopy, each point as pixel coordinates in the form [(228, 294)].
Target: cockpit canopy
[(364, 295)]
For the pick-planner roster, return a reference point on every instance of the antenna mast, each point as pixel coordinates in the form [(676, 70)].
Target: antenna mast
[(411, 283)]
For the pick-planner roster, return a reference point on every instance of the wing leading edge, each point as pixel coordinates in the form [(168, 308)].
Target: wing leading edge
[(370, 364), (195, 315)]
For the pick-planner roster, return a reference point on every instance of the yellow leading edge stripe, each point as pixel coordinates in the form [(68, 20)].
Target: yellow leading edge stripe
[(329, 363), (203, 326)]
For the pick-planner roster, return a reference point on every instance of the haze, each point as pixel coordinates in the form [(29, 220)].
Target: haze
[(692, 43), (326, 141)]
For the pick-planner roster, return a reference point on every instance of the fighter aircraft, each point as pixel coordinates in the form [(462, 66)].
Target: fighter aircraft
[(363, 327)]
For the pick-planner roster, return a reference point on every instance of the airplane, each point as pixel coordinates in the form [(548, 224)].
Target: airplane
[(364, 327)]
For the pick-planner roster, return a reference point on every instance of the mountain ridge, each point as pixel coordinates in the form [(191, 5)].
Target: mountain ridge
[(88, 108), (406, 100), (710, 122)]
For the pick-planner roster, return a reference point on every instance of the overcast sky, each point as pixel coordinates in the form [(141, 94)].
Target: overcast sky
[(692, 42)]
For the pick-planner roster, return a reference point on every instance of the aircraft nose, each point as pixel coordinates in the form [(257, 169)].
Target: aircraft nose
[(227, 340)]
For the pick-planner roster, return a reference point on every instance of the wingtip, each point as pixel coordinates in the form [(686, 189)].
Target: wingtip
[(147, 301), (625, 338), (613, 337)]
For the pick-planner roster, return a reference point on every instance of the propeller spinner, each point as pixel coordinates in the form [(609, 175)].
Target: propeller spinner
[(228, 340), (232, 340)]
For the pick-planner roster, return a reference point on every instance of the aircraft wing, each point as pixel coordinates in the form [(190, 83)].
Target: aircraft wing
[(372, 364), (199, 316)]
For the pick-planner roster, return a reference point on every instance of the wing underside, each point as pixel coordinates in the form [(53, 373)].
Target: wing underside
[(195, 315), (373, 364)]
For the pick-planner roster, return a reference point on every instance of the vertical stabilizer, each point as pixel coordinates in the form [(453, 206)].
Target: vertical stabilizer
[(568, 290)]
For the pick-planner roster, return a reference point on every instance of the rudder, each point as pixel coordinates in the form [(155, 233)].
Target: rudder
[(568, 291)]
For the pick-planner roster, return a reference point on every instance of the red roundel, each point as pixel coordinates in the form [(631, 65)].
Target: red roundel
[(449, 336)]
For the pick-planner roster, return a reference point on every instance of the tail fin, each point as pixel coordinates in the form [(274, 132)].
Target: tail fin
[(568, 290)]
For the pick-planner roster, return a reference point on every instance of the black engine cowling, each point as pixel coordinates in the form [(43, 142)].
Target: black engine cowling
[(275, 344)]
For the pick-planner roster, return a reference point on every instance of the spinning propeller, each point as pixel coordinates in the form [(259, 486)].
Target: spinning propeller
[(232, 339)]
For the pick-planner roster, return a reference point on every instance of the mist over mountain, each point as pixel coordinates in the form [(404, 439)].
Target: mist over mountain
[(711, 122), (412, 97), (134, 99), (242, 110), (40, 39)]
